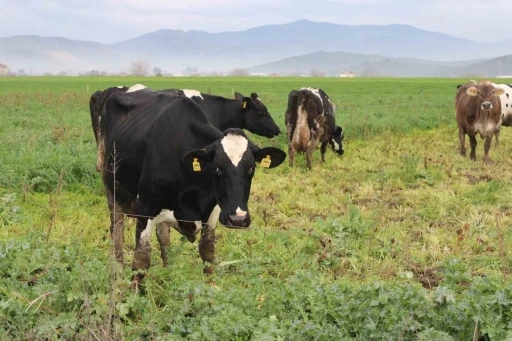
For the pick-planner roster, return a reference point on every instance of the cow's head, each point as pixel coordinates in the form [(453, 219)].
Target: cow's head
[(256, 117), (336, 140), (231, 161), (484, 91)]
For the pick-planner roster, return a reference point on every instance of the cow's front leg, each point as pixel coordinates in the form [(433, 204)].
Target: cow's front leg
[(163, 233), (462, 140), (472, 143), (487, 147), (323, 149), (142, 255), (497, 137), (207, 248), (207, 241)]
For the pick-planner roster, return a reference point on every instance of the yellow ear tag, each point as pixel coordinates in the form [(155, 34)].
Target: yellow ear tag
[(244, 105), (265, 162), (196, 165)]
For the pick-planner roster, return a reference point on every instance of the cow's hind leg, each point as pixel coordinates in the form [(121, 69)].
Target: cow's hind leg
[(487, 147), (291, 155), (323, 149), (462, 140), (163, 233), (472, 142)]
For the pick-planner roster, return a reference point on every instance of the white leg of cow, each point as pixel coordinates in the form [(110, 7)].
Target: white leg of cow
[(142, 254), (163, 234), (207, 241)]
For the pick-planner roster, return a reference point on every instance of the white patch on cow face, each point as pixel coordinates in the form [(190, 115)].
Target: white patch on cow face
[(119, 86), (192, 93), (315, 92), (214, 217), (235, 147), (240, 212), (336, 145), (136, 87)]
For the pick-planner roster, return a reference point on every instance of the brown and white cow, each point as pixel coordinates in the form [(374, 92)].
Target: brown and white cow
[(478, 110), (310, 119)]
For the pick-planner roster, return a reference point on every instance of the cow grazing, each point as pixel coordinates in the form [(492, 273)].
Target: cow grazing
[(310, 119), (96, 103), (478, 110), (173, 165), (242, 112)]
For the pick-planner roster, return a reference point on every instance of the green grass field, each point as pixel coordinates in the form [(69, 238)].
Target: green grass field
[(401, 238)]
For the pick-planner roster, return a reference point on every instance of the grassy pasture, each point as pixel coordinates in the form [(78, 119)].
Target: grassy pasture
[(401, 238)]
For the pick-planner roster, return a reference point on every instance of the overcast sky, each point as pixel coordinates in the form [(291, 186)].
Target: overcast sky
[(110, 21)]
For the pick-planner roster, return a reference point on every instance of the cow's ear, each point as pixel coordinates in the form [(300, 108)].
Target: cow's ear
[(337, 130), (498, 92), (239, 96), (472, 91), (197, 160), (246, 103), (268, 157)]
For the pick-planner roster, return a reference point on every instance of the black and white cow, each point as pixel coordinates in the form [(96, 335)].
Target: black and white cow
[(96, 104), (242, 112), (506, 104), (310, 119), (173, 165)]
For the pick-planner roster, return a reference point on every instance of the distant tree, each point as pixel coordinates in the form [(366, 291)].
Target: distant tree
[(157, 71), (139, 68), (47, 74), (239, 72), (316, 73), (21, 72), (62, 73), (189, 71)]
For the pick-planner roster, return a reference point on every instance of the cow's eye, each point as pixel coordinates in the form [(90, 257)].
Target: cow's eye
[(250, 170), (217, 170)]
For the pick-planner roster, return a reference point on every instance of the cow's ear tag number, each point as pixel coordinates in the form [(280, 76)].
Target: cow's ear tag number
[(244, 105), (265, 162), (196, 166)]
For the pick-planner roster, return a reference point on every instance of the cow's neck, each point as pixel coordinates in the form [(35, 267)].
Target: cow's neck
[(226, 113)]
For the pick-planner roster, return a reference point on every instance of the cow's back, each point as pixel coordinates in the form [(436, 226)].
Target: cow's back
[(149, 138)]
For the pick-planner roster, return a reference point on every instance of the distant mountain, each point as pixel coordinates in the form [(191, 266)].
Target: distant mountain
[(333, 63), (173, 50)]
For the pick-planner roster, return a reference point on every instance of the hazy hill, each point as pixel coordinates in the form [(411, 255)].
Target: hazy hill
[(173, 50), (333, 63)]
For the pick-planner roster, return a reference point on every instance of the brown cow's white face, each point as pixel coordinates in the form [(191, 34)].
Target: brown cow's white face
[(484, 92)]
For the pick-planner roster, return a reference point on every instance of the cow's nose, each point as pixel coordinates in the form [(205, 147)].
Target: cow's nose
[(487, 105), (238, 221)]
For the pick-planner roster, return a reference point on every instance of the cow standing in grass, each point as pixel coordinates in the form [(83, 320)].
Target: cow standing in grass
[(478, 110), (173, 166), (310, 120)]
